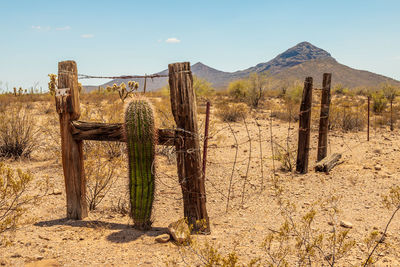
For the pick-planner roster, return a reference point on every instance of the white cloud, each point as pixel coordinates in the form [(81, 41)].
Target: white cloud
[(172, 40), (87, 35), (40, 28), (65, 28)]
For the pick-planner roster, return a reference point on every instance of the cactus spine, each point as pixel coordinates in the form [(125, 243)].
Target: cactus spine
[(141, 140)]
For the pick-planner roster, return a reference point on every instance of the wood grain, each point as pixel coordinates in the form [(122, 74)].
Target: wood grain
[(324, 117), (191, 179), (304, 127), (71, 149), (113, 132), (328, 163)]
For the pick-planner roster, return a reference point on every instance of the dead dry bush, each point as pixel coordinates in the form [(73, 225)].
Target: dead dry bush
[(347, 116), (18, 133), (232, 112), (102, 166), (286, 155)]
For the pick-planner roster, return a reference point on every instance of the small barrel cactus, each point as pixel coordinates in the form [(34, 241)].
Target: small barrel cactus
[(141, 142)]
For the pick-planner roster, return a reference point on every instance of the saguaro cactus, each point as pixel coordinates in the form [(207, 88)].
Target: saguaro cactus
[(141, 141)]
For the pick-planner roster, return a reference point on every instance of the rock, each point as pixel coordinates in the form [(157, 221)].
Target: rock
[(163, 238), (179, 231), (44, 263), (378, 167), (346, 224), (3, 262)]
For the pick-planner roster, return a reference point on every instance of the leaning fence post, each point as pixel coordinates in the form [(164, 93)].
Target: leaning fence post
[(324, 117), (191, 179), (67, 106), (304, 127)]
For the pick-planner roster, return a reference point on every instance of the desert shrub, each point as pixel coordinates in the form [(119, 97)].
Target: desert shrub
[(232, 113), (294, 94), (18, 134), (256, 91), (288, 112), (347, 116), (202, 87), (353, 121), (379, 102), (13, 198), (389, 91), (339, 89), (285, 154), (238, 90), (251, 90), (101, 168)]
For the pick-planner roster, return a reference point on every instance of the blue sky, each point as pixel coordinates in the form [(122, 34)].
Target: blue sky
[(136, 37)]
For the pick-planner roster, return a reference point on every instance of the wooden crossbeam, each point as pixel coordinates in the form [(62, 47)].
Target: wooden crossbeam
[(112, 132)]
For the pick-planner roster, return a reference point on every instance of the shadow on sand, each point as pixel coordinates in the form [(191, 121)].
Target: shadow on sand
[(125, 234)]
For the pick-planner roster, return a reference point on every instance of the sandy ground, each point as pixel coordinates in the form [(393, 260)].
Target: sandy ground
[(106, 237)]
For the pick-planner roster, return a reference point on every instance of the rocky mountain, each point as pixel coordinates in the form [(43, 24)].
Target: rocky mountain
[(296, 55), (296, 63)]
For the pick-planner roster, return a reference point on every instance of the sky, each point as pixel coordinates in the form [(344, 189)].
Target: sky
[(137, 37)]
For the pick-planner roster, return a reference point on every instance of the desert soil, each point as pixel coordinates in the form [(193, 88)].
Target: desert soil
[(106, 237)]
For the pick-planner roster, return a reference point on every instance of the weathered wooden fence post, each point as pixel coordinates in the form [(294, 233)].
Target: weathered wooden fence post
[(324, 117), (391, 114), (67, 105), (191, 179), (304, 127), (369, 99)]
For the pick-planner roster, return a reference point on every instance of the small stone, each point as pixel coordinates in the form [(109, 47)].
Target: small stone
[(346, 224), (378, 167), (39, 257), (3, 262), (163, 238), (179, 231), (16, 255)]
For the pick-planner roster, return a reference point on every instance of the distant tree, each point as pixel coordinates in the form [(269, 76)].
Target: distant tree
[(389, 91), (238, 89), (294, 93), (202, 87), (257, 85)]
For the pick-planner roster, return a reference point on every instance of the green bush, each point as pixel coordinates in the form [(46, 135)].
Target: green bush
[(238, 90), (379, 102)]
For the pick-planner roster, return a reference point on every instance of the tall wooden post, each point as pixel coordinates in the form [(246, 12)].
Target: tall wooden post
[(304, 127), (369, 100), (391, 114), (184, 109), (324, 117), (67, 105)]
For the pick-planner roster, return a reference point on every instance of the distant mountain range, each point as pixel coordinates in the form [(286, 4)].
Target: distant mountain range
[(296, 63)]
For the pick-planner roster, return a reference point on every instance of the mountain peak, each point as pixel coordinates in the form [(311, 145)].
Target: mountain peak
[(304, 51), (296, 55)]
